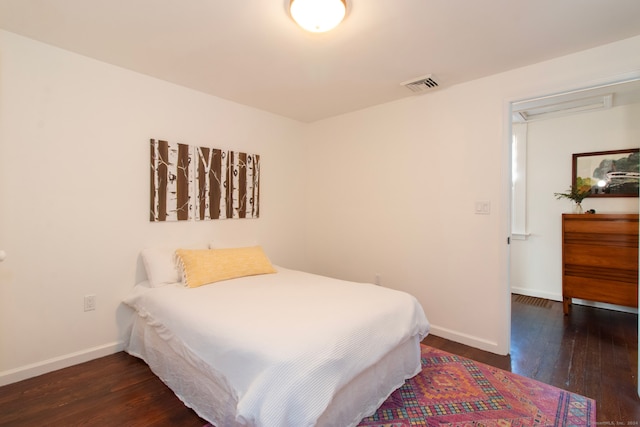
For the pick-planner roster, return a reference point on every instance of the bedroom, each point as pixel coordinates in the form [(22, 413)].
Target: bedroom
[(74, 134)]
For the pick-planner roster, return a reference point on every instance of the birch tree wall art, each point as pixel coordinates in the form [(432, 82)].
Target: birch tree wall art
[(210, 182), (219, 184), (243, 178), (171, 181)]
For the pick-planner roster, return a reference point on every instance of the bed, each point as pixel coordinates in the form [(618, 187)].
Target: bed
[(282, 348)]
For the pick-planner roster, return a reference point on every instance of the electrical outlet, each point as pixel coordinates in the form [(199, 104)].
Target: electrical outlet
[(377, 282), (89, 302)]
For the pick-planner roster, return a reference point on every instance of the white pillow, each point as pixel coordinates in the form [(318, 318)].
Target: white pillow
[(161, 266)]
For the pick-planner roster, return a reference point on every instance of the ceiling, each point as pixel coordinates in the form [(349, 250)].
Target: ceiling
[(251, 51)]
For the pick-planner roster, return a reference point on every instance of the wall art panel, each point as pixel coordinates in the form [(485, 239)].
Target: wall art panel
[(209, 182), (243, 177), (170, 182), (202, 183)]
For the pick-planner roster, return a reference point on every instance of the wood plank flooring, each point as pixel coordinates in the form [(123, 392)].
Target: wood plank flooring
[(592, 352)]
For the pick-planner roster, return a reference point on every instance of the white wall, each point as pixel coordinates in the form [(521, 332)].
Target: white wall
[(536, 263), (394, 187), (74, 194)]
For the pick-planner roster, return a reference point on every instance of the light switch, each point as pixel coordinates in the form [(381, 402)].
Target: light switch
[(483, 207)]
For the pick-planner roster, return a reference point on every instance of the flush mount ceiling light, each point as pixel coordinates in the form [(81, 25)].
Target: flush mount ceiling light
[(318, 16)]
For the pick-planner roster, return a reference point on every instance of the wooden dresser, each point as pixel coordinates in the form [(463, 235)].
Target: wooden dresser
[(600, 258)]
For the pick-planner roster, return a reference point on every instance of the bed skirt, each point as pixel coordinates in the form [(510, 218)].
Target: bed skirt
[(200, 387)]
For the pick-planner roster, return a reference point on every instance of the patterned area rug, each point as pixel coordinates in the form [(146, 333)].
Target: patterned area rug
[(455, 391)]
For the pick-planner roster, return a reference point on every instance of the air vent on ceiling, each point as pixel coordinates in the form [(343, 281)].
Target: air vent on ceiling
[(421, 84)]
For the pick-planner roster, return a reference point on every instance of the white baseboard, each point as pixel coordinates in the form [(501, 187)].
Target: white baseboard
[(469, 340), (605, 306), (50, 365)]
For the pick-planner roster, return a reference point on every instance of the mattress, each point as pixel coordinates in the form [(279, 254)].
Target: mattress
[(284, 349)]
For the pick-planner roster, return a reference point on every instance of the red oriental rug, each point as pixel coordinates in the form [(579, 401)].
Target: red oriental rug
[(455, 391)]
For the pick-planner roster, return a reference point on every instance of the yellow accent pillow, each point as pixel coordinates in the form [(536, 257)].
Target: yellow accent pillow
[(202, 266)]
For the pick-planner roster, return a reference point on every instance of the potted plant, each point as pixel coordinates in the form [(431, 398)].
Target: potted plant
[(575, 194)]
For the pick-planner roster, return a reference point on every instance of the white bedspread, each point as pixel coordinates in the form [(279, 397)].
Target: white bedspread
[(285, 342)]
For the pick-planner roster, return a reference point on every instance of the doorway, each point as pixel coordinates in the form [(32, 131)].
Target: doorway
[(548, 130)]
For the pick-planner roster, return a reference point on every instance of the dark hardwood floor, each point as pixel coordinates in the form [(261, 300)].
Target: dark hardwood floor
[(592, 352)]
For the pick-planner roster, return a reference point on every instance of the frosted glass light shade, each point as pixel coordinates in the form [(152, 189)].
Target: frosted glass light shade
[(318, 16)]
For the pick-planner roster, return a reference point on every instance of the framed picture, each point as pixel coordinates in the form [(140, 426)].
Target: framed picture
[(607, 173)]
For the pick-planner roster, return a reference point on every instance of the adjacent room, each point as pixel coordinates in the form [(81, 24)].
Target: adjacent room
[(419, 150)]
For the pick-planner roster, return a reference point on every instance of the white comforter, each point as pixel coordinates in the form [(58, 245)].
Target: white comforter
[(286, 342)]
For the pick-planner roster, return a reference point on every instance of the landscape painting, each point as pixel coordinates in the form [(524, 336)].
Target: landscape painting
[(613, 173)]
